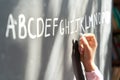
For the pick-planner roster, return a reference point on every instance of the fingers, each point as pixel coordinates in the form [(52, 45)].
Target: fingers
[(91, 39), (87, 42), (83, 43)]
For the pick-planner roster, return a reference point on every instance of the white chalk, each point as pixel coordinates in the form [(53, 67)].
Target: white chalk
[(81, 34)]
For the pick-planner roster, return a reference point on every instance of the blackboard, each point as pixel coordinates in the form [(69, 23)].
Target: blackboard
[(36, 37)]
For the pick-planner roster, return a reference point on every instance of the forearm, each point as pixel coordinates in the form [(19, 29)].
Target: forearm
[(94, 75)]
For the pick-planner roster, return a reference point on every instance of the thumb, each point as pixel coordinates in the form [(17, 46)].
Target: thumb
[(85, 42)]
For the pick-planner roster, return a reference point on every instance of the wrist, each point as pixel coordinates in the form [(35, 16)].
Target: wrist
[(90, 66)]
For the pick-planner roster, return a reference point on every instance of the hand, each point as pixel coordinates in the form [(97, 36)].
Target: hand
[(87, 49)]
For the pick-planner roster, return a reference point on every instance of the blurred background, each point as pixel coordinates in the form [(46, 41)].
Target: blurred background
[(116, 40)]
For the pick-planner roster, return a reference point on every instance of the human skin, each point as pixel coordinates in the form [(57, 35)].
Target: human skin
[(87, 48)]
